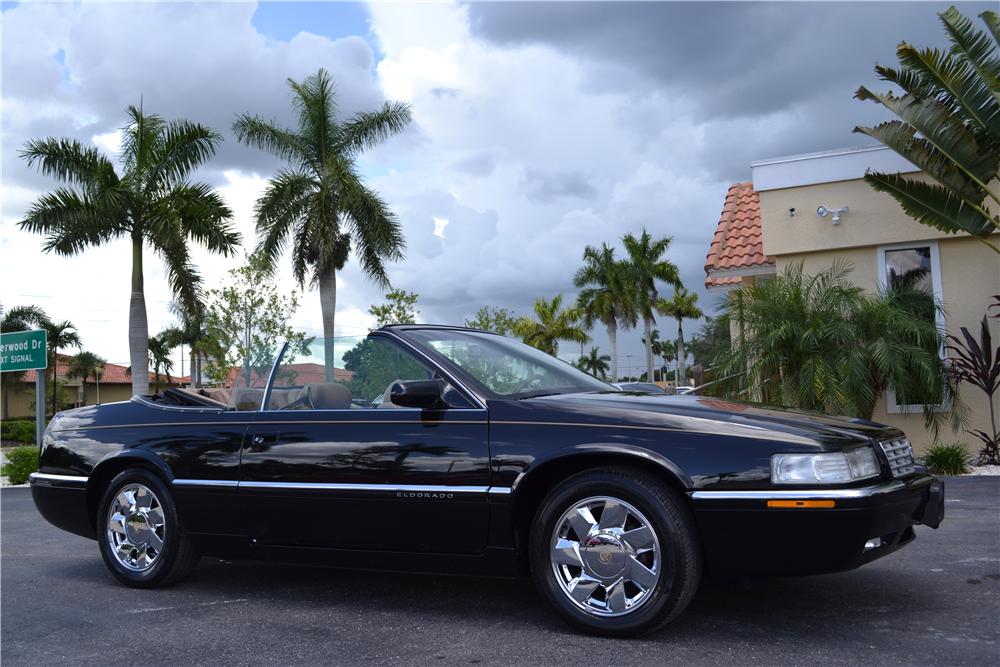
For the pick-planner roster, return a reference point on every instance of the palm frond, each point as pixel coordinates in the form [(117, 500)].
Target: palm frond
[(201, 214), (70, 161), (185, 146), (936, 206), (974, 47), (258, 133), (378, 237), (370, 128), (71, 222)]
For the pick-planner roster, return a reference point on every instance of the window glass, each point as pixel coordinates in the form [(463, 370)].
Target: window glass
[(909, 268), (505, 367), (245, 383), (361, 371)]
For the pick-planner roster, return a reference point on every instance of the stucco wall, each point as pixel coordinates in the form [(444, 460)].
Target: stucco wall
[(970, 272), (21, 398)]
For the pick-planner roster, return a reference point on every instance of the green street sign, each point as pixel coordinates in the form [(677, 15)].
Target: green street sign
[(23, 351)]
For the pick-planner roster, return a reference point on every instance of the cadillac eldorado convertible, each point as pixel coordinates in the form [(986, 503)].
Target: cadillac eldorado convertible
[(434, 448)]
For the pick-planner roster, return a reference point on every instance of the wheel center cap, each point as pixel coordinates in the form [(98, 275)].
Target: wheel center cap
[(137, 528), (604, 554)]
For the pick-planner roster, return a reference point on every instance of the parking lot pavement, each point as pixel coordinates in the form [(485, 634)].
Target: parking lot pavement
[(936, 602)]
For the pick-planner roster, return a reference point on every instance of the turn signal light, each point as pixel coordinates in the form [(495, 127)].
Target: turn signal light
[(801, 503)]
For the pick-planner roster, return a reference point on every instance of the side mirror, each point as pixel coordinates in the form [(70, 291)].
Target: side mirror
[(426, 394)]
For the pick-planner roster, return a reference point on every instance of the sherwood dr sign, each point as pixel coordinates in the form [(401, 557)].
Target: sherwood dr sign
[(28, 351)]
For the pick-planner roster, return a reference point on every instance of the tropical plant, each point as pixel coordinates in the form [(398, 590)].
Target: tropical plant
[(681, 306), (318, 202), (712, 342), (978, 363), (246, 321), (646, 265), (950, 459), (553, 324), (85, 365), (949, 127), (151, 202), (603, 296), (60, 335), (594, 363), (19, 318), (819, 342), (492, 318), (401, 308), (159, 358), (192, 331)]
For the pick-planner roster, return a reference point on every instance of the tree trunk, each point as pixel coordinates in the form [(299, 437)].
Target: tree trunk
[(194, 368), (647, 328), (328, 306), (138, 327), (613, 341), (681, 357)]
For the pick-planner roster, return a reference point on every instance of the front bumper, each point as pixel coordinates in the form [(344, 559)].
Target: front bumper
[(743, 536)]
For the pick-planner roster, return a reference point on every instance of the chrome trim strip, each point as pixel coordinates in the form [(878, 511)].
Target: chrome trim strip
[(201, 409), (270, 376), (387, 488), (48, 477), (228, 483), (810, 494), (500, 490)]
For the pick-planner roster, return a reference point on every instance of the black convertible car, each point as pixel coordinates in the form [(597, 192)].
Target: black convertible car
[(435, 448)]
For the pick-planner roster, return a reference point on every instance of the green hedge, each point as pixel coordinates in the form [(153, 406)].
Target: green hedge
[(22, 461), (18, 430)]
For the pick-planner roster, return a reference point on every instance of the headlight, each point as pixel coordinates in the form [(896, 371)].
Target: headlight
[(828, 468)]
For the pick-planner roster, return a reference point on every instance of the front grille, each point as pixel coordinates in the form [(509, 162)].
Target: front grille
[(900, 455)]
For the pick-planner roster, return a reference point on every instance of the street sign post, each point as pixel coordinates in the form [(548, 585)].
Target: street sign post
[(28, 351)]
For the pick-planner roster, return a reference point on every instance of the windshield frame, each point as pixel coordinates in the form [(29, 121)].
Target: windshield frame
[(467, 379)]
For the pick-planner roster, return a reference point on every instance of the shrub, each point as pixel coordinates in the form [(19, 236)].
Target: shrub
[(952, 459), (18, 430), (22, 461)]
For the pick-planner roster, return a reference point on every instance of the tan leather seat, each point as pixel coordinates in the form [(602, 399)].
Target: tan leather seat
[(328, 396), (246, 398)]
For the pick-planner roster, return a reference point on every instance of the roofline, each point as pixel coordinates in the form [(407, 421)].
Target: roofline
[(839, 164), (740, 271), (445, 327)]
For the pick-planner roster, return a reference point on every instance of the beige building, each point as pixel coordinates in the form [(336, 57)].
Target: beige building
[(114, 384), (816, 208)]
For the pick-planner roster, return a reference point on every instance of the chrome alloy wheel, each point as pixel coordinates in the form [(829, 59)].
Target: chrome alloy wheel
[(136, 527), (605, 556)]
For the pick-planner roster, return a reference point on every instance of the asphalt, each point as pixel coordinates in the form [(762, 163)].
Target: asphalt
[(936, 602)]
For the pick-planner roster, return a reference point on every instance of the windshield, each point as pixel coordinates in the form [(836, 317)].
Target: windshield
[(505, 367)]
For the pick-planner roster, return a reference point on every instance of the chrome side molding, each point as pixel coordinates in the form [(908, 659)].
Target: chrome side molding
[(810, 494)]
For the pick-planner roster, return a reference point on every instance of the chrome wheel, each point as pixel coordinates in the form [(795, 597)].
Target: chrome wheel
[(136, 527), (605, 556)]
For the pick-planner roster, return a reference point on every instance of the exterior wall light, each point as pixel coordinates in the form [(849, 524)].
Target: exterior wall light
[(834, 213)]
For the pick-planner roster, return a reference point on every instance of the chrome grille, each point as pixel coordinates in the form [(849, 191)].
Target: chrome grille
[(900, 455)]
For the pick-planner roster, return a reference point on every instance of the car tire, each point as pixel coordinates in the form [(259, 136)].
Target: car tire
[(141, 537), (597, 585)]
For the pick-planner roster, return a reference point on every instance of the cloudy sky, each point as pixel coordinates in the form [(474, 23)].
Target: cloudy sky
[(538, 128)]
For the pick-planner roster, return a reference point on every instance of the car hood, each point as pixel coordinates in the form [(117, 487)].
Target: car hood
[(703, 413)]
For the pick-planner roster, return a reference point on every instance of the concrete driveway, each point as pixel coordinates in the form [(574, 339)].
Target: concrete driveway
[(936, 602)]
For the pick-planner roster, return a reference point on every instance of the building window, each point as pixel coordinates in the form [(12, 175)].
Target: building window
[(918, 266)]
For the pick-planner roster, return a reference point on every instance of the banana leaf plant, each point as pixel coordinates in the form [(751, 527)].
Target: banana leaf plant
[(978, 363)]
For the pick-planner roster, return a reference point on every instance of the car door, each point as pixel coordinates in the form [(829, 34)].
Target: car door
[(331, 462)]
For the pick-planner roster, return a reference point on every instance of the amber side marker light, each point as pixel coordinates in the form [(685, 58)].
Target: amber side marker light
[(801, 503)]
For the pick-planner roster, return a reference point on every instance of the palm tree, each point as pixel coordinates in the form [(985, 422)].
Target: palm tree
[(949, 126), (656, 345), (821, 343), (647, 265), (192, 331), (159, 358), (553, 324), (594, 363), (19, 318), (603, 297), (85, 365), (683, 305), (319, 203), (60, 335), (151, 202)]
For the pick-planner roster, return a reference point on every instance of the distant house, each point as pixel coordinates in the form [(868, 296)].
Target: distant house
[(774, 221), (114, 384)]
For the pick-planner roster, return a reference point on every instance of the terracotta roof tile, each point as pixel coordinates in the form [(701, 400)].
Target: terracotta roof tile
[(113, 373), (737, 244)]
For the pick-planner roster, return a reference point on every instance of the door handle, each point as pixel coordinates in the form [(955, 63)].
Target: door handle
[(258, 440)]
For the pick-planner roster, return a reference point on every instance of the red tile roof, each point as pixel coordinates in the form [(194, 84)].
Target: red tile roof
[(113, 373), (737, 248)]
